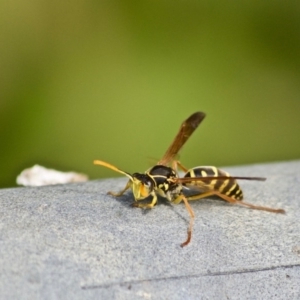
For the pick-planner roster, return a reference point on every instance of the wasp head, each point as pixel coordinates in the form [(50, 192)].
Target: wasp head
[(142, 185)]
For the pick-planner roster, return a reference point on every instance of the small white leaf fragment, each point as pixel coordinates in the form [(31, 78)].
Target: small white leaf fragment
[(38, 176)]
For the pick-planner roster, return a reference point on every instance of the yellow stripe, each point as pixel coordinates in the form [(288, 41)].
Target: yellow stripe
[(203, 173), (225, 183), (213, 182), (231, 189), (192, 173), (215, 170)]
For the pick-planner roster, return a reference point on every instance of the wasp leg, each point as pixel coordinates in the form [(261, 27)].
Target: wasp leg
[(128, 185), (201, 196), (192, 216), (234, 201), (146, 205)]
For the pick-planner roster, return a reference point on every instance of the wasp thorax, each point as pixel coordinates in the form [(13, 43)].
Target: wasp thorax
[(165, 181), (162, 171)]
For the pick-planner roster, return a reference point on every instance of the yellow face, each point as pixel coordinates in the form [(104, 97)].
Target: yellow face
[(140, 190)]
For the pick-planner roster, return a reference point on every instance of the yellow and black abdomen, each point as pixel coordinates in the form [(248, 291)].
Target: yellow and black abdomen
[(227, 186)]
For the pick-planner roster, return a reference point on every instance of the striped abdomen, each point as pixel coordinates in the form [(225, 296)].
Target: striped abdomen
[(227, 187)]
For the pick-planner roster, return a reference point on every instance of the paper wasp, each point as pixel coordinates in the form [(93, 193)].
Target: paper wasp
[(163, 179)]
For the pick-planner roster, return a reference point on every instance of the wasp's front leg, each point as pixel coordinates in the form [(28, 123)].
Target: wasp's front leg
[(146, 205), (128, 185)]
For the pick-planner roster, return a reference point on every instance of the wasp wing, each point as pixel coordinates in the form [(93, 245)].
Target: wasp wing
[(185, 131), (195, 180)]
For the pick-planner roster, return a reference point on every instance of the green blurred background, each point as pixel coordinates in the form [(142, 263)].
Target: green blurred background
[(113, 80)]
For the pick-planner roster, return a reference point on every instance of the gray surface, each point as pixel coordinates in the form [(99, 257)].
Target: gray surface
[(73, 241)]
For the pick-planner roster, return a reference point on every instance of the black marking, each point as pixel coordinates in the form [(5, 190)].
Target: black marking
[(238, 194)]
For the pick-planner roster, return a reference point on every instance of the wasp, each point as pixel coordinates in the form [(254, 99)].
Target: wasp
[(163, 179)]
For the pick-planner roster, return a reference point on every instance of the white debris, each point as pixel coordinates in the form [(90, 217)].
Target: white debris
[(38, 176)]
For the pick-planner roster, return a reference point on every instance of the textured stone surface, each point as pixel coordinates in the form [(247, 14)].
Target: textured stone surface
[(73, 241)]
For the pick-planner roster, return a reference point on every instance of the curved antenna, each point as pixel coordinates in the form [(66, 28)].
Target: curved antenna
[(109, 166)]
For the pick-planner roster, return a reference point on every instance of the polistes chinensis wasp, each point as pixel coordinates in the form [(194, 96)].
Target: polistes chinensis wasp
[(163, 179)]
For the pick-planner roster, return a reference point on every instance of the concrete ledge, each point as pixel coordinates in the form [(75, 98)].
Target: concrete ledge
[(75, 242)]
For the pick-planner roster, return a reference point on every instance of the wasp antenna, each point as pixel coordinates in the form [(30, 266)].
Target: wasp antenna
[(109, 166)]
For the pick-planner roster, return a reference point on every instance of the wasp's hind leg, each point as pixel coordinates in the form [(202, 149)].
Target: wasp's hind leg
[(258, 207), (234, 201)]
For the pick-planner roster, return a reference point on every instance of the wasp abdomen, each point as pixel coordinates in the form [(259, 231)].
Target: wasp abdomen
[(228, 187)]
